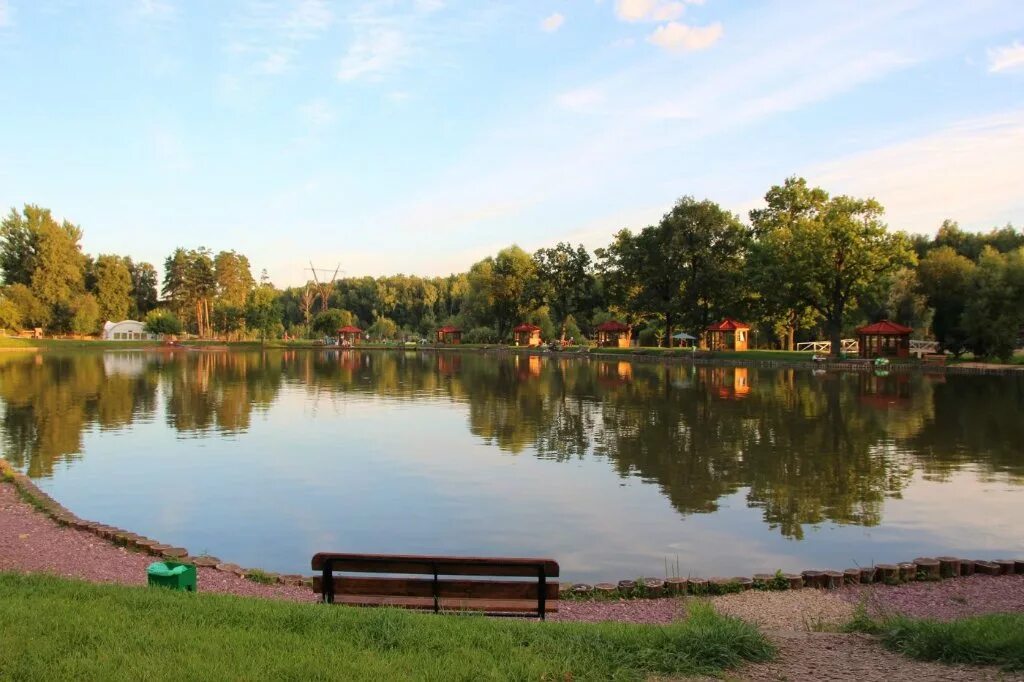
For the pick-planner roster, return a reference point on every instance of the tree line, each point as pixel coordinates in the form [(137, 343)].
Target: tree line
[(807, 265)]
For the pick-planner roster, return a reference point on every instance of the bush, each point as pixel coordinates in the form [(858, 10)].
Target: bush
[(163, 322), (647, 337), (481, 335)]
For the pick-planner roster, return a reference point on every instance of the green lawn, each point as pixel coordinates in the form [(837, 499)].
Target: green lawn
[(58, 629), (996, 639)]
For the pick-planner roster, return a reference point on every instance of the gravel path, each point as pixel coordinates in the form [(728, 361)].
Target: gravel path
[(31, 542), (945, 600)]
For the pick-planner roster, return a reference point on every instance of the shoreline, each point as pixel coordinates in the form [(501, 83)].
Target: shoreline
[(756, 358)]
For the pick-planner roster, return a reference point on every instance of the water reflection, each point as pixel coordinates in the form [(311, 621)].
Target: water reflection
[(803, 448)]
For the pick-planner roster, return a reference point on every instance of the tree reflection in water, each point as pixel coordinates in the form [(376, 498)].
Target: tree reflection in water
[(807, 447)]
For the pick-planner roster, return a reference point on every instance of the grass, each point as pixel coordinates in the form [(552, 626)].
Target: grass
[(992, 639), (52, 628)]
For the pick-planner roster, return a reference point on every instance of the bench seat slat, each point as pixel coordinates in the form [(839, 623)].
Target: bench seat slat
[(405, 564), (427, 603), (424, 587)]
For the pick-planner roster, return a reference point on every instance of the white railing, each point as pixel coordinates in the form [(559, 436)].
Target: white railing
[(924, 346), (848, 346)]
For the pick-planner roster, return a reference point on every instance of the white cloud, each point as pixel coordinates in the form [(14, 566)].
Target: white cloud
[(649, 10), (429, 5), (676, 37), (580, 99), (1006, 58), (5, 14), (317, 114), (275, 63), (156, 9), (552, 23), (309, 17), (969, 172), (373, 54)]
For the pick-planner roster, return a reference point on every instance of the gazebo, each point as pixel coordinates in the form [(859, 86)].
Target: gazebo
[(613, 333), (449, 335), (527, 334), (884, 339), (350, 335), (729, 334)]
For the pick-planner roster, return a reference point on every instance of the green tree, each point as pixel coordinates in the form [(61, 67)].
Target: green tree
[(843, 255), (85, 314), (328, 322), (944, 278), (10, 316), (262, 312), (113, 287), (144, 295), (383, 328), (994, 314), (228, 319), (31, 311), (780, 290), (234, 278), (565, 280), (163, 322)]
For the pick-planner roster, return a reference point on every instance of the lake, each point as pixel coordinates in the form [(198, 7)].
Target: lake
[(615, 469)]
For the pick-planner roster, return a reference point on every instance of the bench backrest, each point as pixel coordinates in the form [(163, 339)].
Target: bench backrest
[(444, 584)]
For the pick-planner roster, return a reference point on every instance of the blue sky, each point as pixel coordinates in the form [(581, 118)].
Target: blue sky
[(418, 136)]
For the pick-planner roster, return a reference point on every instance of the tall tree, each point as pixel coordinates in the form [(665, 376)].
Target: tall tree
[(843, 255), (565, 280), (144, 296), (780, 290), (112, 287), (944, 278), (234, 278)]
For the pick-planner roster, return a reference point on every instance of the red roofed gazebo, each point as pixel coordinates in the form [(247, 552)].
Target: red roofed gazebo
[(349, 334), (729, 334), (884, 339), (614, 333), (526, 335), (449, 334)]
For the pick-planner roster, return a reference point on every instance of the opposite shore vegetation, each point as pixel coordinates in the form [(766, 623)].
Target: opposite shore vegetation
[(806, 266)]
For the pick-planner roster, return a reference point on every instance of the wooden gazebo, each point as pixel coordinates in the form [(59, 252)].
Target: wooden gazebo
[(729, 334), (449, 335), (349, 335), (884, 339), (614, 333), (527, 335)]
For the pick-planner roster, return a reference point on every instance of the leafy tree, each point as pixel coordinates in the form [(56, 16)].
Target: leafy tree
[(994, 314), (780, 289), (565, 280), (31, 311), (144, 279), (944, 278), (842, 255), (262, 312), (10, 316), (112, 287), (234, 278), (85, 314), (383, 328), (228, 319), (176, 282), (163, 322), (328, 322)]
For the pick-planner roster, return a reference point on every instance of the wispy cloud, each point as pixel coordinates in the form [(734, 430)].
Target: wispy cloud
[(969, 171), (317, 114), (581, 99), (373, 54), (1006, 58), (649, 10), (6, 18), (267, 37), (276, 62), (677, 37), (552, 23), (154, 9), (309, 18)]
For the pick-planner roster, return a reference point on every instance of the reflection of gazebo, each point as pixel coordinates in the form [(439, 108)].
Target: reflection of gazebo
[(349, 334), (527, 335), (452, 335), (884, 338), (613, 333), (684, 339), (728, 334)]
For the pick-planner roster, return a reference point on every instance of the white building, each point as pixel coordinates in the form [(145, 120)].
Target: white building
[(126, 330)]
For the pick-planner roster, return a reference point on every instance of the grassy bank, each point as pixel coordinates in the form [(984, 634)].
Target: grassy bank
[(993, 639), (59, 629)]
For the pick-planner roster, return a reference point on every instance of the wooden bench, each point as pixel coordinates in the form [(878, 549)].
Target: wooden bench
[(446, 588)]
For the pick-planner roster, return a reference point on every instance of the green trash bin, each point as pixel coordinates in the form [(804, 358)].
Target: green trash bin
[(172, 574)]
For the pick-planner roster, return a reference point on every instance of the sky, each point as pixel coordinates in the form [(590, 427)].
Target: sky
[(418, 136)]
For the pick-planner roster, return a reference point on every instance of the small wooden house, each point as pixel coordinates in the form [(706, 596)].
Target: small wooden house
[(349, 335), (729, 334), (527, 335), (449, 335), (614, 334), (884, 339)]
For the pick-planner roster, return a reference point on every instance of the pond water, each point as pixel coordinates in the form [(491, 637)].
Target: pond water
[(615, 469)]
